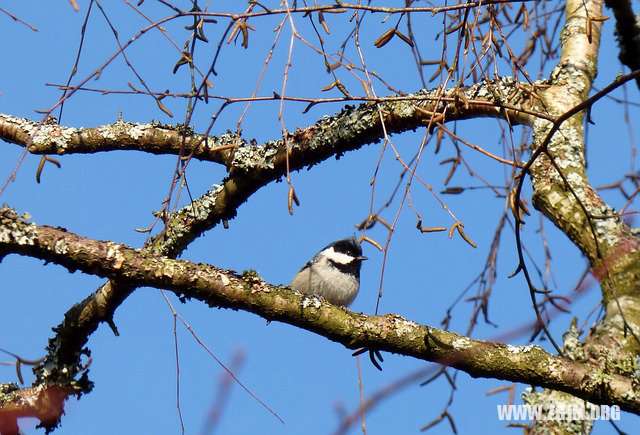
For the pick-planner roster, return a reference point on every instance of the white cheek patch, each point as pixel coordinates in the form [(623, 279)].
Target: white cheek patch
[(337, 257)]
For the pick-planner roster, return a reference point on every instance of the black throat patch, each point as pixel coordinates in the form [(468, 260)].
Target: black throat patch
[(352, 267)]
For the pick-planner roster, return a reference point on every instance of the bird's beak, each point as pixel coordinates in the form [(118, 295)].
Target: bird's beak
[(361, 258)]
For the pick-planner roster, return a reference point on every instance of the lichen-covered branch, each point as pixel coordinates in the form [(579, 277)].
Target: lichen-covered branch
[(392, 333), (563, 192), (601, 369), (570, 85), (252, 167), (154, 138), (344, 131)]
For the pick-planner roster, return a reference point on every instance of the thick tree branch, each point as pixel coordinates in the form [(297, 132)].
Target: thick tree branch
[(221, 288), (563, 193), (345, 131), (602, 369), (47, 138), (251, 167), (561, 188)]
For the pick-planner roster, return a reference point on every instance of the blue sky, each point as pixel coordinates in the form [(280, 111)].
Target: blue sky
[(301, 376)]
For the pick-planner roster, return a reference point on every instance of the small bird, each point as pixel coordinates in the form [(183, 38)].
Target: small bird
[(333, 273)]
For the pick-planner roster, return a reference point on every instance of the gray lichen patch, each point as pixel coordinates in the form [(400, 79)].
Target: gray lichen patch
[(60, 247), (190, 216), (15, 228), (121, 128), (523, 349), (248, 157), (115, 255), (551, 404), (615, 322), (462, 343), (404, 326), (572, 347), (310, 301), (40, 134), (501, 88)]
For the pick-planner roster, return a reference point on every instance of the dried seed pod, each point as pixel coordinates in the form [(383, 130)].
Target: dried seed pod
[(384, 38)]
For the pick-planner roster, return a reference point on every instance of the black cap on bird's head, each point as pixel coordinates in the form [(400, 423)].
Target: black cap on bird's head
[(346, 255), (349, 246)]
